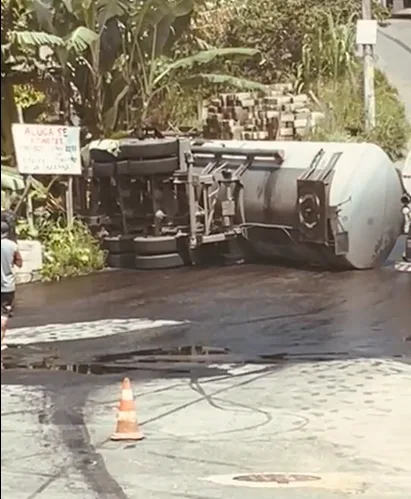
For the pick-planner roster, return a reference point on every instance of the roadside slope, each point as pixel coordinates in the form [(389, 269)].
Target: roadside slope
[(394, 57)]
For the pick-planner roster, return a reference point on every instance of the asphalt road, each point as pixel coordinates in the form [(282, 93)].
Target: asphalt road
[(250, 310)]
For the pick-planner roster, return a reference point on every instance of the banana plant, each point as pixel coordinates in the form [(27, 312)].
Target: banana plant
[(12, 186), (15, 191), (72, 33), (18, 66), (116, 56), (161, 74), (154, 30)]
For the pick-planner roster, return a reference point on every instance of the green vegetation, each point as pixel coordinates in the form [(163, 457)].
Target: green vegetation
[(108, 62), (120, 65), (312, 43), (344, 115), (67, 250)]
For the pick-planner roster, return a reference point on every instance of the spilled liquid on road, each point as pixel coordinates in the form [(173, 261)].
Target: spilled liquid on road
[(183, 359), (246, 314)]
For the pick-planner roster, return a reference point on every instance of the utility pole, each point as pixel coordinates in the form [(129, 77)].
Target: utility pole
[(369, 72)]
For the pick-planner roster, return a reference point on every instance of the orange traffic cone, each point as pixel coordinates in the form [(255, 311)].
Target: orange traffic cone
[(127, 425)]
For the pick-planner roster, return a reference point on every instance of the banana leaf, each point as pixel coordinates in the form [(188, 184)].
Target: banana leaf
[(11, 180)]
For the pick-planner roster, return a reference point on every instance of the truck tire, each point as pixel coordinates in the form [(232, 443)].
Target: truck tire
[(151, 262), (155, 245), (162, 166), (104, 170), (120, 260), (138, 149), (118, 244)]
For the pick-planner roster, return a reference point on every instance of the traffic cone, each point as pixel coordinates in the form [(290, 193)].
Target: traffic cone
[(127, 425)]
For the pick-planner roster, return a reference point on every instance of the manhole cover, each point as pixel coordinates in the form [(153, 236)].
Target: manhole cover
[(280, 478), (290, 480)]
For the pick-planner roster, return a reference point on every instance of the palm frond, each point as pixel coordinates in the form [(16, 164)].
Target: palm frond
[(35, 39), (80, 39)]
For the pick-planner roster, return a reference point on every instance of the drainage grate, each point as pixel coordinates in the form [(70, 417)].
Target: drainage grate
[(280, 478)]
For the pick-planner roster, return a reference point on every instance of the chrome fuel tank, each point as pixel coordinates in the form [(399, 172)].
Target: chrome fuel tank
[(331, 204)]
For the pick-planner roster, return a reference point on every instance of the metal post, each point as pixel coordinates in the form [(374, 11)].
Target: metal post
[(368, 65), (192, 205), (69, 201)]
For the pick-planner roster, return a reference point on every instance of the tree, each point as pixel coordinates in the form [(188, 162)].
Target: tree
[(13, 62), (113, 59), (279, 29)]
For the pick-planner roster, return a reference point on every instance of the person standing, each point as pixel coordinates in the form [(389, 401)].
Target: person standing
[(10, 256)]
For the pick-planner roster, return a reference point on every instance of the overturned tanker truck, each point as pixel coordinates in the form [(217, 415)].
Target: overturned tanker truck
[(164, 203)]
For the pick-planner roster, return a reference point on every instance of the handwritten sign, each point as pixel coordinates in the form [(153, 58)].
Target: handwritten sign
[(47, 149)]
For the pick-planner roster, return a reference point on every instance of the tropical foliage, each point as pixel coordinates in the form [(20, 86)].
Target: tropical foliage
[(285, 32), (109, 62), (312, 43), (342, 105), (68, 251)]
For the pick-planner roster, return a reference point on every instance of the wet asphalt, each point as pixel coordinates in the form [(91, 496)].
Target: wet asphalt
[(246, 313)]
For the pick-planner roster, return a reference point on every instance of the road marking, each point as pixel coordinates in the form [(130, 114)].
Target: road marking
[(82, 330)]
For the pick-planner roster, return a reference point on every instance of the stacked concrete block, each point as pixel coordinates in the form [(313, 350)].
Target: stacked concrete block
[(278, 115)]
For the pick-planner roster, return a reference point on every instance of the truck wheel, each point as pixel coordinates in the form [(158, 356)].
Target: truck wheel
[(153, 245), (120, 260), (118, 244), (151, 262), (137, 149), (152, 166)]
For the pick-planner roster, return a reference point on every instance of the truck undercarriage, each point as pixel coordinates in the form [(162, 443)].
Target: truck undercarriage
[(162, 203)]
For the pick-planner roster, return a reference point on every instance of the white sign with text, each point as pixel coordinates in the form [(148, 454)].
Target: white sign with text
[(47, 149)]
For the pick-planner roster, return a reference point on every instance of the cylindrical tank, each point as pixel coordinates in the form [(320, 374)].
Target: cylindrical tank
[(355, 186)]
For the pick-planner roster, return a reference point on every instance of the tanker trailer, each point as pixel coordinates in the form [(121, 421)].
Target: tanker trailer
[(335, 205), (405, 265)]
